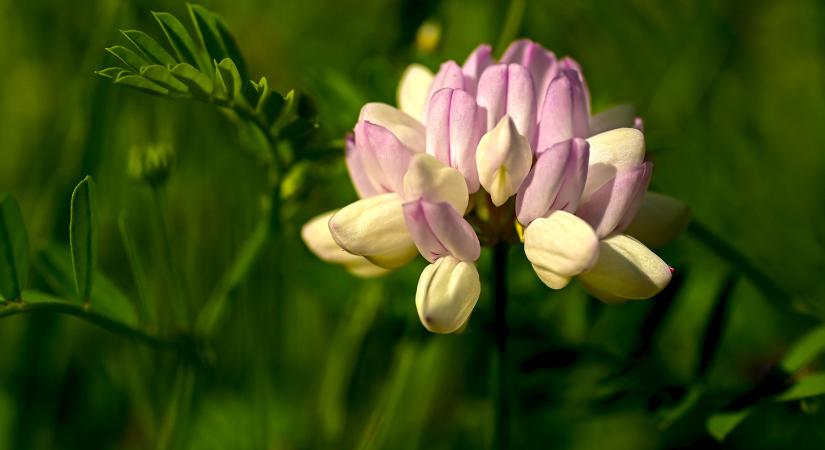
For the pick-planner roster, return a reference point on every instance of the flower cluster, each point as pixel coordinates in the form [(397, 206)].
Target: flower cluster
[(496, 151)]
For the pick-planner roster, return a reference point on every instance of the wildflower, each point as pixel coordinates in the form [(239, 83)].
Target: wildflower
[(505, 145)]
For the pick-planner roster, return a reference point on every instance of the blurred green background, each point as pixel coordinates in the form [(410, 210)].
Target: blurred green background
[(732, 93)]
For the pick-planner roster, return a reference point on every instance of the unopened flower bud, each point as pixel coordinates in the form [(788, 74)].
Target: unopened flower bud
[(151, 163), (447, 292)]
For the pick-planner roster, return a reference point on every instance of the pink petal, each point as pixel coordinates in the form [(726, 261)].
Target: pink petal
[(564, 113), (479, 59), (555, 182), (611, 208), (575, 176), (539, 61), (360, 179), (384, 159), (508, 90), (449, 75), (454, 127), (571, 64), (438, 230)]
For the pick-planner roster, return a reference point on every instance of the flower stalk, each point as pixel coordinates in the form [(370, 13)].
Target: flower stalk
[(501, 403)]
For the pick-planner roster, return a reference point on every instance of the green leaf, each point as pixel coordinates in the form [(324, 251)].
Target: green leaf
[(112, 72), (207, 28), (132, 60), (270, 103), (199, 84), (215, 37), (810, 386), (232, 50), (163, 77), (83, 237), (181, 41), (142, 84), (14, 249), (228, 74), (149, 47), (721, 424)]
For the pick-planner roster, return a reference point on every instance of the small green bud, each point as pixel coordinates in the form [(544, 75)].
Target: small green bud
[(151, 163)]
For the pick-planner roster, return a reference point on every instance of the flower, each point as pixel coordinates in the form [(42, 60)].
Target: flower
[(477, 152)]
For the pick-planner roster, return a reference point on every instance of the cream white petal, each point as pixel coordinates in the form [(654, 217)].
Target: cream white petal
[(611, 152), (435, 182), (374, 228), (447, 292), (625, 270), (560, 247), (503, 159), (660, 220), (318, 239), (413, 90), (407, 129)]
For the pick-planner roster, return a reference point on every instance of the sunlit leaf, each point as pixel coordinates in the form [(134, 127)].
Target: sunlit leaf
[(112, 72), (231, 79), (162, 76), (142, 84), (14, 249), (199, 84), (132, 60), (181, 41), (232, 50), (149, 47)]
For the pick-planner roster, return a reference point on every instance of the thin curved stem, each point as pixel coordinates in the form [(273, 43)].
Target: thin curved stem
[(83, 312), (501, 422), (268, 227)]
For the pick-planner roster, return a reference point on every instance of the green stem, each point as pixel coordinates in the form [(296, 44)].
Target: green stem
[(501, 422), (180, 307), (79, 310), (268, 227)]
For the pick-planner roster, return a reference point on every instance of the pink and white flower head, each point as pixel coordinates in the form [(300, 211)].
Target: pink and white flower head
[(485, 149)]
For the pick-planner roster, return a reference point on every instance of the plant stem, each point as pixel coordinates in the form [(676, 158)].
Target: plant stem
[(79, 310), (267, 230), (501, 422)]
